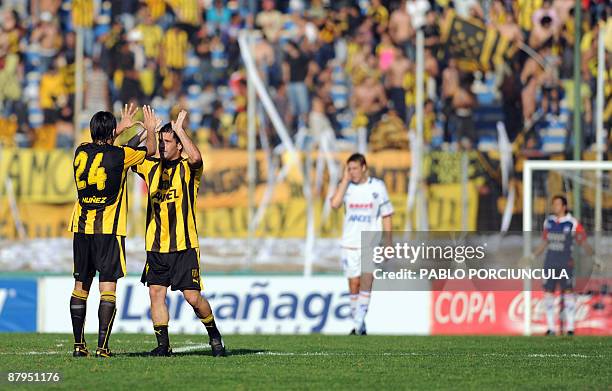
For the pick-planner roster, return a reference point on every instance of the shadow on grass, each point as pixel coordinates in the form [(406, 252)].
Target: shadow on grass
[(230, 352)]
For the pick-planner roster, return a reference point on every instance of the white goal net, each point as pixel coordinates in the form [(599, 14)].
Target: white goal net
[(587, 186)]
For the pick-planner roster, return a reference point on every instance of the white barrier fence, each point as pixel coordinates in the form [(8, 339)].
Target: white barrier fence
[(245, 305)]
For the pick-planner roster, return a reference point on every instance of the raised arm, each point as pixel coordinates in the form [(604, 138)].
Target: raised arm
[(151, 123), (193, 153), (137, 139), (127, 119), (338, 197)]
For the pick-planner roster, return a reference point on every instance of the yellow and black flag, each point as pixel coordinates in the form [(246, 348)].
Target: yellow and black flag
[(474, 45)]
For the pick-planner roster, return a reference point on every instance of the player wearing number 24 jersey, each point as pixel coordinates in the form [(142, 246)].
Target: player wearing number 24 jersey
[(100, 176), (99, 218)]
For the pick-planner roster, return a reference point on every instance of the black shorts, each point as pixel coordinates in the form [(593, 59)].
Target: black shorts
[(565, 284), (179, 270), (98, 252)]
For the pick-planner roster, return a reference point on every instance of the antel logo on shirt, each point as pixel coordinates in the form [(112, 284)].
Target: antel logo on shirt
[(361, 206)]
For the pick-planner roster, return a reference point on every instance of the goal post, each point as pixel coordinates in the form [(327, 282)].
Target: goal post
[(575, 168)]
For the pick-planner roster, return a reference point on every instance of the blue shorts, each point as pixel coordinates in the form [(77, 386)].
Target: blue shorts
[(564, 283)]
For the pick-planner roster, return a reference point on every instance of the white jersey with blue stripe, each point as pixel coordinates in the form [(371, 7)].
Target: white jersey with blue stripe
[(365, 204)]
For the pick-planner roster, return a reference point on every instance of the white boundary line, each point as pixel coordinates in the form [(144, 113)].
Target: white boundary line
[(401, 354), (186, 349), (192, 348)]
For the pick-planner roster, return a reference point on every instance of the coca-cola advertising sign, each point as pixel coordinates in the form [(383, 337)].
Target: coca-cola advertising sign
[(502, 313)]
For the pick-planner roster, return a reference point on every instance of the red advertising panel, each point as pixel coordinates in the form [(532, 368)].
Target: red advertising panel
[(502, 313)]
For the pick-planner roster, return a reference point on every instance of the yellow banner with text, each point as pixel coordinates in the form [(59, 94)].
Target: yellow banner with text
[(43, 186)]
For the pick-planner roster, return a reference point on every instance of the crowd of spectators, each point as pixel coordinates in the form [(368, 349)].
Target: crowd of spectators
[(342, 65)]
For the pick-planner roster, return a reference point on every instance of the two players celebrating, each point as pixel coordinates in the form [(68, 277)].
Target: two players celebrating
[(99, 223)]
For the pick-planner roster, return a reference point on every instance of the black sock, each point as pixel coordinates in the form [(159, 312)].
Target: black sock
[(161, 333), (106, 316), (211, 326), (78, 307)]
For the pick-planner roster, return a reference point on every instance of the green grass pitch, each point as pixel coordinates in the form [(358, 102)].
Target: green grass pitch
[(320, 362)]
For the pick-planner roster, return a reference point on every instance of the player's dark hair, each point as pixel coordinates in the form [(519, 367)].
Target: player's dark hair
[(167, 128), (358, 158), (545, 20), (216, 105), (102, 126), (562, 198), (293, 44)]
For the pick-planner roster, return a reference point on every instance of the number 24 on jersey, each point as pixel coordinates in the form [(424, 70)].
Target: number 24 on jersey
[(95, 176)]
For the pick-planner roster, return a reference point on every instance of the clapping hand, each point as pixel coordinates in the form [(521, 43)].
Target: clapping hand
[(177, 125), (151, 121), (127, 118)]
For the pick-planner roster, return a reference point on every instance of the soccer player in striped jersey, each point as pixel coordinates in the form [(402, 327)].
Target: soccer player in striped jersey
[(99, 218), (173, 253), (367, 208)]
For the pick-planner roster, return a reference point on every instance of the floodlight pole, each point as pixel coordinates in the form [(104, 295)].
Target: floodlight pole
[(421, 213), (527, 208), (78, 84), (599, 132), (577, 102), (252, 160)]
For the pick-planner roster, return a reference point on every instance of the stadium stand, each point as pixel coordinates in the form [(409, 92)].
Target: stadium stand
[(185, 53)]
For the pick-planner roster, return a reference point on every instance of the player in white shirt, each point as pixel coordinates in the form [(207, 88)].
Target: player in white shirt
[(367, 208)]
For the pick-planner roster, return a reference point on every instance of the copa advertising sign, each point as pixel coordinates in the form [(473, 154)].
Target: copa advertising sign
[(502, 313)]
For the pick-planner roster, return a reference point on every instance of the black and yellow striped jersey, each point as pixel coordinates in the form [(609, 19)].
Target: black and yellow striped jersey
[(83, 13), (152, 38), (186, 11), (157, 8), (525, 10), (100, 174), (173, 190), (176, 44), (379, 14)]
